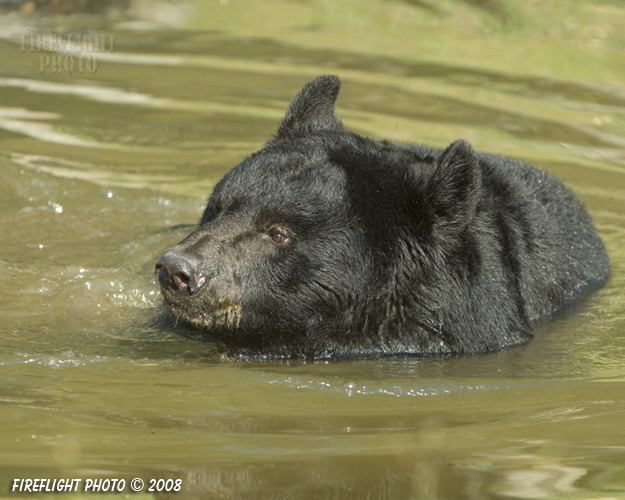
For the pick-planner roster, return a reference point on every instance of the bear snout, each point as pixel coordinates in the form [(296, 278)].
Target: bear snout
[(179, 272)]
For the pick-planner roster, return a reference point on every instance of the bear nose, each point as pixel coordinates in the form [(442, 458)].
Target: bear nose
[(179, 271)]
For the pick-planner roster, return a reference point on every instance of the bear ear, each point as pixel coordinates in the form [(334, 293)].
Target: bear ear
[(453, 189), (312, 109)]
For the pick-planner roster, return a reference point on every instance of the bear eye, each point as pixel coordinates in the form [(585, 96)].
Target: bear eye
[(280, 235)]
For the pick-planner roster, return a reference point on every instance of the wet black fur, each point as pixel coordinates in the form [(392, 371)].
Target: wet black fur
[(392, 248)]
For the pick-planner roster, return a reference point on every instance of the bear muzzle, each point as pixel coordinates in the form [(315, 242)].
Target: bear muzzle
[(180, 272)]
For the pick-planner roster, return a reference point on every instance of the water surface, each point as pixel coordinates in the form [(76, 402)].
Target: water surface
[(102, 170)]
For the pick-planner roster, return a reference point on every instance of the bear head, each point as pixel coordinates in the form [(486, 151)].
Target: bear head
[(325, 242)]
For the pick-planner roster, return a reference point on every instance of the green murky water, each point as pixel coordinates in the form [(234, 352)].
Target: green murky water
[(107, 155)]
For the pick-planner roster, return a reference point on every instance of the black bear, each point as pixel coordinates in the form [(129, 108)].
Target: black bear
[(326, 243)]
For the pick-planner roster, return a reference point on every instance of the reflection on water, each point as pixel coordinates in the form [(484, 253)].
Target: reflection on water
[(102, 170)]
